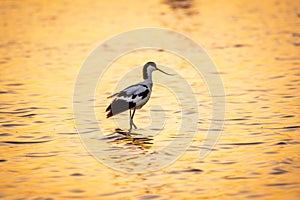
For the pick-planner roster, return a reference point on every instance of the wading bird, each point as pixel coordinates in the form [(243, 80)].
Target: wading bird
[(135, 96)]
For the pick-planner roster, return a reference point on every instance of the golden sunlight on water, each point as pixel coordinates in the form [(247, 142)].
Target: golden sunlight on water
[(255, 46)]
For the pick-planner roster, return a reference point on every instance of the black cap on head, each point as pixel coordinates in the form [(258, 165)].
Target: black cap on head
[(150, 63)]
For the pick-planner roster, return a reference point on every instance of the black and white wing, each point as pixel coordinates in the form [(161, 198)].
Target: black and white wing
[(133, 96)]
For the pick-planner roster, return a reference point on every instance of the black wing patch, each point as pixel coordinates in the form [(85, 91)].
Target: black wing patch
[(144, 94), (133, 91), (118, 106)]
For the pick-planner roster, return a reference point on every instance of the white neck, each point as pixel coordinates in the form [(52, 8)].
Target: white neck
[(147, 74)]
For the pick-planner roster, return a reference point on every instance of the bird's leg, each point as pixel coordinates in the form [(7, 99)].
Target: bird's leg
[(131, 119)]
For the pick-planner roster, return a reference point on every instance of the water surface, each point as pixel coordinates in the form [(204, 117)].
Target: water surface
[(255, 46)]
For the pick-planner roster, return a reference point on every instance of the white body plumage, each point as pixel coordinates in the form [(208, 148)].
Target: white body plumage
[(135, 96)]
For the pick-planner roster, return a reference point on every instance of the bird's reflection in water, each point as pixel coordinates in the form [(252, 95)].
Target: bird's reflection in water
[(125, 137)]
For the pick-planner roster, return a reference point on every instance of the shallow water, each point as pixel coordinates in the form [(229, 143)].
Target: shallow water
[(255, 46)]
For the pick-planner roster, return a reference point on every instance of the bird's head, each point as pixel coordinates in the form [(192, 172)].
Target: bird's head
[(149, 67)]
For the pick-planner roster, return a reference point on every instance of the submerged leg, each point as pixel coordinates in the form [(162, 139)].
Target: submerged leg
[(131, 119)]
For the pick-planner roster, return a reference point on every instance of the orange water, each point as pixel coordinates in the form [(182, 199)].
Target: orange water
[(255, 46)]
